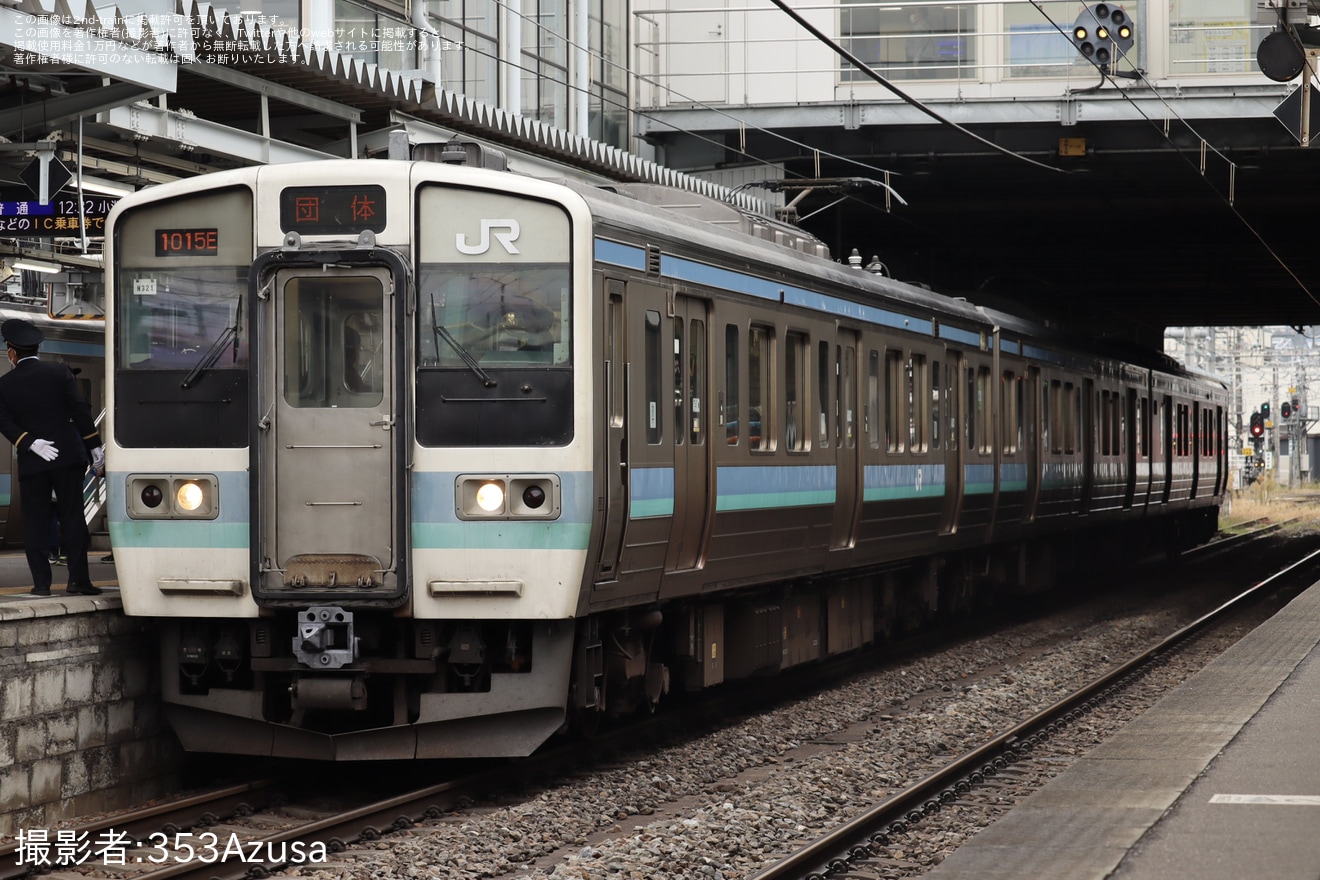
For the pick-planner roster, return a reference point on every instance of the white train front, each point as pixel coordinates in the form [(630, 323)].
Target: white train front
[(413, 459)]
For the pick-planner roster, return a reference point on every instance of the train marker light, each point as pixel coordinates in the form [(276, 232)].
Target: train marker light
[(508, 496)]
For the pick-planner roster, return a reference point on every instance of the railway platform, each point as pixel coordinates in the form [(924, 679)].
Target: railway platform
[(1220, 780), (16, 583)]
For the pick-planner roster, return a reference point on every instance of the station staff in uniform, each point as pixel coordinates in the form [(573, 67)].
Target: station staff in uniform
[(51, 427)]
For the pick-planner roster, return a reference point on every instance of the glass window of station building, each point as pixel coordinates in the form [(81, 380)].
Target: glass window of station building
[(484, 47), (942, 40), (988, 42)]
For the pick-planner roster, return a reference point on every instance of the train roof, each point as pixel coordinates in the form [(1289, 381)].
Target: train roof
[(762, 244)]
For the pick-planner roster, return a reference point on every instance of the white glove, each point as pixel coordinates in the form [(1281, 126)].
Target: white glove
[(45, 449), (98, 458)]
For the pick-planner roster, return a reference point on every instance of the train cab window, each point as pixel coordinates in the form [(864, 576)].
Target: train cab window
[(652, 354), (697, 382), (795, 391), (895, 397), (364, 353), (918, 395), (333, 341), (847, 398), (823, 372), (730, 415), (760, 368), (872, 416), (502, 317), (935, 405)]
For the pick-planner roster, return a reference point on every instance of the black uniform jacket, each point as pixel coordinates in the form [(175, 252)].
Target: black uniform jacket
[(40, 400)]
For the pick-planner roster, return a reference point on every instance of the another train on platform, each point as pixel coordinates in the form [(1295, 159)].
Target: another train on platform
[(416, 459)]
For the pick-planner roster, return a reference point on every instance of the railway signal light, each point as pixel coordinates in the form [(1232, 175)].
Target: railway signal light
[(1265, 410), (1285, 409), (1103, 31), (1257, 425)]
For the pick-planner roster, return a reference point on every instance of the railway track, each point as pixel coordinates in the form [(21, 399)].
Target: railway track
[(250, 830), (859, 847)]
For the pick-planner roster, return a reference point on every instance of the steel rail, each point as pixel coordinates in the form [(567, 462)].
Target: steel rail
[(829, 854)]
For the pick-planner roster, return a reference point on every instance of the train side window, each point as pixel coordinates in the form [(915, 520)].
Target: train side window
[(614, 343), (654, 432), (1011, 406), (1045, 433), (951, 406), (760, 364), (1071, 413), (984, 440), (935, 405), (873, 400), (731, 423), (847, 397), (895, 395), (918, 395), (795, 391), (697, 381), (1106, 417), (823, 373), (680, 375), (1056, 414)]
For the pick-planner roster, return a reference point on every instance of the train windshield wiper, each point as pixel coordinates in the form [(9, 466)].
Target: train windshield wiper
[(212, 355), (466, 356), (227, 335)]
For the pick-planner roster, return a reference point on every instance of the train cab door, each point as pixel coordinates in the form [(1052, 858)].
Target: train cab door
[(690, 441), (327, 473), (951, 406), (848, 494)]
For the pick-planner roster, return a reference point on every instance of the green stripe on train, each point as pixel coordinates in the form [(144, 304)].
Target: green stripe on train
[(500, 535)]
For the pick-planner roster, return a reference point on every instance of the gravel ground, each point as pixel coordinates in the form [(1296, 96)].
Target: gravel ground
[(726, 804)]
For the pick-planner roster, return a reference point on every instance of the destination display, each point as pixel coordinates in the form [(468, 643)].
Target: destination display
[(330, 210)]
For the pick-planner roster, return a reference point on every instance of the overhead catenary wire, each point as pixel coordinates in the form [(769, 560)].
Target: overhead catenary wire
[(1182, 154), (742, 124), (871, 72)]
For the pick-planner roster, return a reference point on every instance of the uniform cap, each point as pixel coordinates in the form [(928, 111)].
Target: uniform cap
[(21, 334)]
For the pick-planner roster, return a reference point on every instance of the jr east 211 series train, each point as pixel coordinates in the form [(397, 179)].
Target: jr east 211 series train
[(413, 459)]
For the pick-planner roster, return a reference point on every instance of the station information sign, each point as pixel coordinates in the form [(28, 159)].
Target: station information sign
[(57, 218)]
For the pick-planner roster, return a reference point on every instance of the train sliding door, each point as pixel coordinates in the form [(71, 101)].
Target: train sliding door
[(689, 439), (848, 497), (951, 410), (328, 452)]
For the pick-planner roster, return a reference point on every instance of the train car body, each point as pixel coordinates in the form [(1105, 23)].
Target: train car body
[(414, 459)]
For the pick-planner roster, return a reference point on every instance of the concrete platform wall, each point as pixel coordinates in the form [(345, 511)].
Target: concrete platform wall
[(81, 729)]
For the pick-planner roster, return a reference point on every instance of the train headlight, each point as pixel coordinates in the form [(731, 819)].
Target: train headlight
[(188, 496), (507, 496), (173, 496), (490, 497)]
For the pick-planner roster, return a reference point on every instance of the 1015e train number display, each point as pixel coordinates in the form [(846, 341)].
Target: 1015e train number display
[(187, 242)]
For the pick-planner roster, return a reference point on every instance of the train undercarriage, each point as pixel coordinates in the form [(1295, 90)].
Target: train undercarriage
[(331, 683)]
